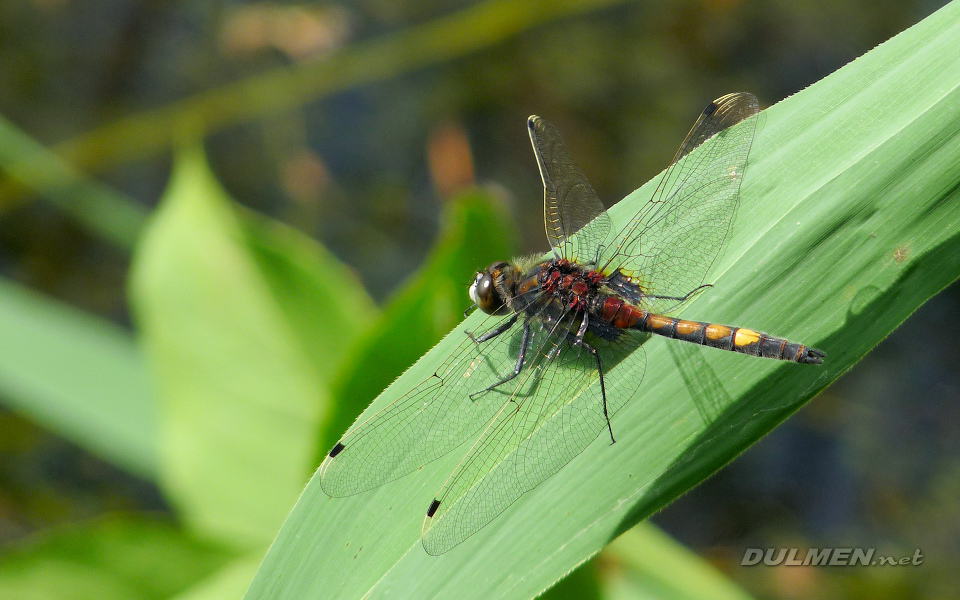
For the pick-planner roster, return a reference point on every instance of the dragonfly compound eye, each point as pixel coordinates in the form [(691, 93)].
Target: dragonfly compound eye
[(485, 294)]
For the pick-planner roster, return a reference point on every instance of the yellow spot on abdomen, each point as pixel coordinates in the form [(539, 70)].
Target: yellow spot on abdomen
[(716, 332), (687, 327), (658, 321), (745, 337)]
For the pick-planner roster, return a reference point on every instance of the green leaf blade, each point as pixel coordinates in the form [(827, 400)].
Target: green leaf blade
[(78, 375)]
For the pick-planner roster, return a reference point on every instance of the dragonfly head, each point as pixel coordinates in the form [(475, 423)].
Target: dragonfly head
[(484, 290)]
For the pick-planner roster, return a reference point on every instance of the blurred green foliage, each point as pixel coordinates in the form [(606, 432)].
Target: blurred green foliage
[(115, 557)]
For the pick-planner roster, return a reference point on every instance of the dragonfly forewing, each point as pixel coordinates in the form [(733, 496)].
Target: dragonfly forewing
[(555, 411), (671, 243), (425, 423)]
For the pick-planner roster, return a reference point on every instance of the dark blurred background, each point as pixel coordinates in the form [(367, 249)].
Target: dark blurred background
[(873, 462)]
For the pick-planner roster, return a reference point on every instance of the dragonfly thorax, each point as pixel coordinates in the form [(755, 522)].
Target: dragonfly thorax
[(570, 283)]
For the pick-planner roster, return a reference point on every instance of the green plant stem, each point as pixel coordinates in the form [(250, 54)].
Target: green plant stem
[(443, 39), (107, 213)]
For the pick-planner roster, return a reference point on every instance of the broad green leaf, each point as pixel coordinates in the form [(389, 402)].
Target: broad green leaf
[(239, 365), (128, 558), (475, 231), (78, 375), (849, 220)]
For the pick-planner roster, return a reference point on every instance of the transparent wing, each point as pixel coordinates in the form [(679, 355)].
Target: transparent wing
[(570, 204), (669, 246), (427, 422), (550, 415)]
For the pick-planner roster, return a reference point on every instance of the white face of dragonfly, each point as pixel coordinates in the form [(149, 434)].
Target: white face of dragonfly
[(472, 292)]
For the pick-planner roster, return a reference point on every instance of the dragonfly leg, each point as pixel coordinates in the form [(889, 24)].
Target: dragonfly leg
[(579, 341), (488, 335), (524, 341)]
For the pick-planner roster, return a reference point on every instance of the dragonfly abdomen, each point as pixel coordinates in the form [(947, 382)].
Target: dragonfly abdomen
[(723, 337), (738, 339)]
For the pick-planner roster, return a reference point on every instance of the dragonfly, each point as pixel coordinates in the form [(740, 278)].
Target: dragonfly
[(559, 352)]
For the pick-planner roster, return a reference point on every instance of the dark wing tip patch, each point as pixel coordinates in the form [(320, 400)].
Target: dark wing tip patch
[(433, 508), (710, 109), (336, 450)]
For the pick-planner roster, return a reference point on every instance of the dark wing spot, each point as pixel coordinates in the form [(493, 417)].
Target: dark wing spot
[(433, 508), (336, 450), (710, 109), (532, 122)]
